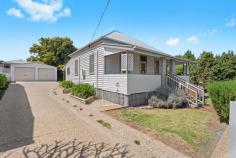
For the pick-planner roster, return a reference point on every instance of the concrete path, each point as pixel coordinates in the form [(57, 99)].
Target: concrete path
[(37, 122), (222, 148)]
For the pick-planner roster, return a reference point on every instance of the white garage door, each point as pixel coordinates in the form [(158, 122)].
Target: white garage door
[(46, 74), (24, 74)]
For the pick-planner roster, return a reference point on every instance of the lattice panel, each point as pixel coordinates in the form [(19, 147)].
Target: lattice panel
[(123, 62), (130, 62)]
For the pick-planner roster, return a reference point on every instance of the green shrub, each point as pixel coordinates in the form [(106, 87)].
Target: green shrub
[(83, 90), (221, 93), (157, 103), (177, 100), (67, 84), (3, 81)]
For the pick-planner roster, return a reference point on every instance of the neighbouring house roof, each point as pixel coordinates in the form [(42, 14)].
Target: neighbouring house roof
[(132, 42)]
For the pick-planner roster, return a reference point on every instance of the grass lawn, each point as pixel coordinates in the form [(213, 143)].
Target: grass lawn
[(180, 127)]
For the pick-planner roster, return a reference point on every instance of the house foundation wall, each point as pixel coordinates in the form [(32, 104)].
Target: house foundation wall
[(131, 100)]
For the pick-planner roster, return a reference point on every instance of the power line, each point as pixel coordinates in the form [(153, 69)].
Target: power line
[(100, 20)]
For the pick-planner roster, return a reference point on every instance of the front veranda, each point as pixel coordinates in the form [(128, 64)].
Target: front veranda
[(136, 74)]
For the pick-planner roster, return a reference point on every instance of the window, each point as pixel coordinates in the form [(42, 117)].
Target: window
[(76, 68), (156, 66), (68, 71), (91, 64), (6, 66), (83, 74), (143, 64)]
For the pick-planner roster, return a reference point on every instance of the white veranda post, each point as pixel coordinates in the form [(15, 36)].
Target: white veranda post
[(172, 67), (162, 69)]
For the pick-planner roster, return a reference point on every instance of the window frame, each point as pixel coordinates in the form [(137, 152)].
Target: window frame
[(68, 71), (76, 67), (142, 61), (91, 64), (83, 74)]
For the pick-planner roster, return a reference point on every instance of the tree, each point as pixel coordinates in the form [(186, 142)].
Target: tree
[(52, 51), (224, 67), (188, 55), (204, 67)]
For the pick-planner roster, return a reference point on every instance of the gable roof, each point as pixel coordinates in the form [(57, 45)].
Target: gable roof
[(135, 43), (120, 37)]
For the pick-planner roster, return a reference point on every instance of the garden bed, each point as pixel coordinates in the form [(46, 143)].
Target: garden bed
[(191, 131), (89, 100), (83, 92)]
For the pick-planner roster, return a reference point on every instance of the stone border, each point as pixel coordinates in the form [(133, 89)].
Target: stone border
[(89, 100)]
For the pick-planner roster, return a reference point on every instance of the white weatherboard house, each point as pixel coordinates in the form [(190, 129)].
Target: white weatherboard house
[(20, 70), (122, 69)]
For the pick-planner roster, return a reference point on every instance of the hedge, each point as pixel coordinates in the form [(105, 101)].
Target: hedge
[(3, 81), (221, 93), (83, 90)]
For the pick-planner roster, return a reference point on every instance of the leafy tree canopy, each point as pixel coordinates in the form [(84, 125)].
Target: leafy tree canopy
[(211, 68), (188, 55), (52, 51)]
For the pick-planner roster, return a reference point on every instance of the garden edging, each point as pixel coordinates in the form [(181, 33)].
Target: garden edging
[(89, 100)]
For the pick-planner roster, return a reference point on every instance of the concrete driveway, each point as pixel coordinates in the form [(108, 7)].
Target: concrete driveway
[(34, 123)]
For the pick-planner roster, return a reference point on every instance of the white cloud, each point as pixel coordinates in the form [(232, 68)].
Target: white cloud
[(193, 39), (65, 13), (208, 33), (230, 23), (46, 10), (173, 41), (15, 12)]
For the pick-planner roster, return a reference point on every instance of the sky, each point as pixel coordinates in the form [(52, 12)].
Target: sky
[(172, 26)]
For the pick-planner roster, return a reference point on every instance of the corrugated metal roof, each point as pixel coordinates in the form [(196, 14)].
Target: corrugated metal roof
[(118, 36), (122, 38)]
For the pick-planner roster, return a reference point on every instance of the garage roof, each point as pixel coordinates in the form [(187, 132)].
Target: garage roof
[(23, 62)]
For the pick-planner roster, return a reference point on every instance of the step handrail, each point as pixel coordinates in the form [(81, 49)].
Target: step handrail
[(179, 82), (185, 81)]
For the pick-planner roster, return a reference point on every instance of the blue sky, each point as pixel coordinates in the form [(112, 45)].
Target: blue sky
[(169, 25)]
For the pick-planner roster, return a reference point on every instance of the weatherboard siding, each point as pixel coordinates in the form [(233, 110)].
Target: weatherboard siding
[(108, 82), (115, 83), (83, 61)]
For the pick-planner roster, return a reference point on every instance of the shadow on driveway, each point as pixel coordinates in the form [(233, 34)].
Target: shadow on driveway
[(78, 149), (16, 119)]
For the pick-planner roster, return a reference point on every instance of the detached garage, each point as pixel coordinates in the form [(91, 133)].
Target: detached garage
[(32, 72)]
